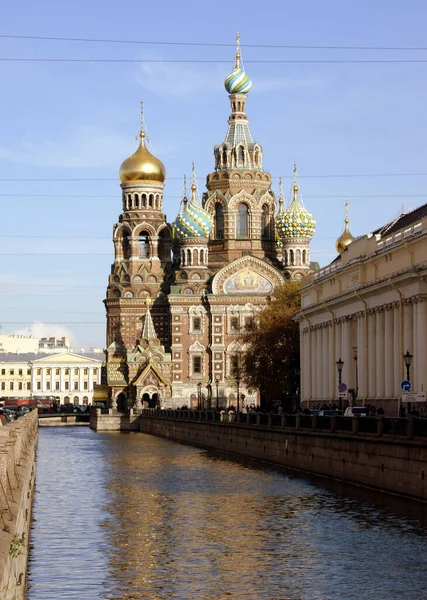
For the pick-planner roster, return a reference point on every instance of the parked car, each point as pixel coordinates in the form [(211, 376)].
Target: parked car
[(356, 411), (329, 412), (9, 415)]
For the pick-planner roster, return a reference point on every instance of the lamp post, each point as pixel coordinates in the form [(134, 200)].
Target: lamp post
[(199, 395), (408, 361), (217, 384), (340, 364), (238, 390)]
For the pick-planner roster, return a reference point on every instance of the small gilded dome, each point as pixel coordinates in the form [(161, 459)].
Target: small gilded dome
[(193, 220), (142, 166), (345, 238), (295, 221)]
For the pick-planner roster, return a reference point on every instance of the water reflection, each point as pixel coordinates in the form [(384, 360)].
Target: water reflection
[(162, 520)]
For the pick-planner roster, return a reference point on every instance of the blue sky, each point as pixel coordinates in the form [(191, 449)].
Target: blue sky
[(77, 121)]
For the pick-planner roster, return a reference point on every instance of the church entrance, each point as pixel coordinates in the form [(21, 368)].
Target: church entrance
[(150, 398), (122, 402)]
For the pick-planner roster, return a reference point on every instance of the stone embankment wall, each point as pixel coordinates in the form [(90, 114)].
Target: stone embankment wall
[(17, 477), (394, 465), (109, 420)]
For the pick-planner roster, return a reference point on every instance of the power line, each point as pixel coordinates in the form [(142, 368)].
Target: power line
[(205, 61), (311, 197), (207, 44), (309, 176)]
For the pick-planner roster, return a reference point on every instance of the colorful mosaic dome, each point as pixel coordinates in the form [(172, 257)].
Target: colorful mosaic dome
[(193, 220), (238, 82), (295, 221)]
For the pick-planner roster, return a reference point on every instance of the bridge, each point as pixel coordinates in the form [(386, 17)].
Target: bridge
[(61, 419)]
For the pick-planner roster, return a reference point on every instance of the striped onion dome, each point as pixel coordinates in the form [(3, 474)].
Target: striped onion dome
[(193, 220), (295, 221), (238, 82)]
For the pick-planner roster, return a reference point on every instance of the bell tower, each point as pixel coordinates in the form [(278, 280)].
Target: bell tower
[(239, 196), (142, 264)]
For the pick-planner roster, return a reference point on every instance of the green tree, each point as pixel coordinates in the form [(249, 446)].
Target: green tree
[(271, 361)]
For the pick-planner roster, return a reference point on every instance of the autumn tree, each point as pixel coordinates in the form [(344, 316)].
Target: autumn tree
[(271, 361)]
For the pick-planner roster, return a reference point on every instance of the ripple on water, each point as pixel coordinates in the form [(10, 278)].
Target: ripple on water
[(132, 516)]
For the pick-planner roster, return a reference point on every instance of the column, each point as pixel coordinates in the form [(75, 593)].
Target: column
[(319, 390), (329, 362), (361, 383), (346, 352), (388, 353), (414, 368), (338, 350), (372, 356), (420, 350), (398, 372), (379, 324), (313, 372)]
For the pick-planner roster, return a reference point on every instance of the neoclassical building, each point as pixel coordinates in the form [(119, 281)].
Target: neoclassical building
[(179, 294), (368, 308)]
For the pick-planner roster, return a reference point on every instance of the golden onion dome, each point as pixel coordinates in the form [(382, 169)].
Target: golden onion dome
[(345, 238), (142, 166)]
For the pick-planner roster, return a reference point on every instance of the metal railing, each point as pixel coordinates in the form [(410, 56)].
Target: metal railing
[(403, 428)]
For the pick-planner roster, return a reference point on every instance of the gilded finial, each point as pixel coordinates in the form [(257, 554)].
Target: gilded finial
[(295, 186), (280, 195), (184, 191), (193, 182), (346, 237), (238, 54), (346, 211)]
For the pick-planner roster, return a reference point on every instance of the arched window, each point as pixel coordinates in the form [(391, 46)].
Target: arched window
[(298, 257), (136, 201), (219, 222), (304, 257), (265, 222), (144, 244), (224, 157), (241, 155), (188, 257), (150, 200), (242, 221), (201, 257), (291, 258), (144, 201), (126, 245), (285, 256)]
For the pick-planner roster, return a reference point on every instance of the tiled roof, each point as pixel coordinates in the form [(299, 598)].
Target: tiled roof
[(402, 221)]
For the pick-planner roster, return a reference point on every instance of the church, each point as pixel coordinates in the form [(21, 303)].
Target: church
[(180, 294)]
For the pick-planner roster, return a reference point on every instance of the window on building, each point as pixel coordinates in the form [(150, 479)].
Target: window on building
[(3, 371), (48, 385), (144, 244), (67, 371), (197, 324), (76, 371), (234, 324), (197, 365), (48, 371), (39, 385), (28, 385), (57, 371), (67, 385), (85, 385), (12, 372), (3, 385), (95, 371), (248, 322), (76, 385), (265, 222), (11, 385), (20, 372), (242, 221), (39, 371), (219, 222), (28, 371), (56, 385), (20, 385), (235, 367), (86, 371)]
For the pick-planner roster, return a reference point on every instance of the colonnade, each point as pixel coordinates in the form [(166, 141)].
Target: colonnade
[(371, 343)]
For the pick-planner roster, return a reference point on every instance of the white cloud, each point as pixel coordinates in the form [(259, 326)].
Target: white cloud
[(39, 330), (87, 147)]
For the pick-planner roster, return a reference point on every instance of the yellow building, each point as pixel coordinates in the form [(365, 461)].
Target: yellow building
[(368, 308), (69, 377)]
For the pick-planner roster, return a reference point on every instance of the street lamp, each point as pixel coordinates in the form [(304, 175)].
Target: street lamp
[(199, 395), (238, 390), (340, 364), (408, 361), (217, 384)]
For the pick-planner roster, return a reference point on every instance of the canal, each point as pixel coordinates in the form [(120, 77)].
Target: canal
[(130, 516)]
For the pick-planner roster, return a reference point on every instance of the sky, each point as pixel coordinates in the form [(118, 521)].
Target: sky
[(355, 129)]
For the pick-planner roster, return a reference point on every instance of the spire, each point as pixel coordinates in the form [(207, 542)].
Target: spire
[(280, 195), (148, 332), (142, 127), (238, 53)]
